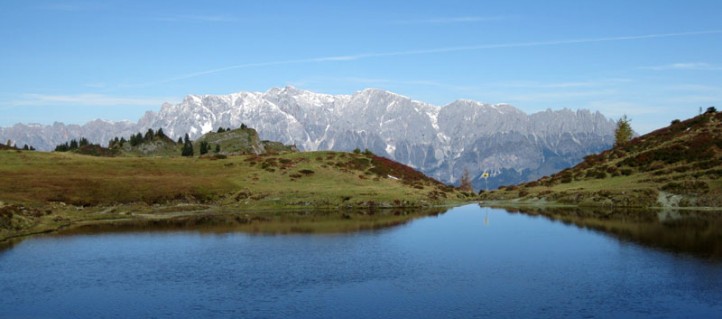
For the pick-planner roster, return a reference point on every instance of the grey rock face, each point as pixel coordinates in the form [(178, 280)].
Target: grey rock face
[(439, 141)]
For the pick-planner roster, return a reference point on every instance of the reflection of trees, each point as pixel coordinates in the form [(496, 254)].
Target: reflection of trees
[(694, 232)]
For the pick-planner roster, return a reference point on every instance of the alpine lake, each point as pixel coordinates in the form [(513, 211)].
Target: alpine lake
[(463, 262)]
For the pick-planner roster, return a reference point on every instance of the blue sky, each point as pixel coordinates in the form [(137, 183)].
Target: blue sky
[(74, 61)]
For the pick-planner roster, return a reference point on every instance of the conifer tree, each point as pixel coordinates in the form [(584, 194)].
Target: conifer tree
[(623, 133), (187, 147), (204, 147), (149, 135)]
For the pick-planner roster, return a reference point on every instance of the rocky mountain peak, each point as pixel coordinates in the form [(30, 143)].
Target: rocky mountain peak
[(440, 141)]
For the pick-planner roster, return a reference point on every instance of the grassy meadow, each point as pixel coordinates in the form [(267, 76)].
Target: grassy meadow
[(45, 191)]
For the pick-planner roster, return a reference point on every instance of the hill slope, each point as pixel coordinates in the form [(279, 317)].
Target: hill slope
[(676, 166), (243, 140), (41, 191)]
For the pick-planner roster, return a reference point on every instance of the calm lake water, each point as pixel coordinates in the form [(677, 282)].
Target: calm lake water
[(470, 262)]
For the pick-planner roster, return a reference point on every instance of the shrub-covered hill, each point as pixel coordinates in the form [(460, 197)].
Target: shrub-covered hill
[(676, 166), (41, 190), (243, 140)]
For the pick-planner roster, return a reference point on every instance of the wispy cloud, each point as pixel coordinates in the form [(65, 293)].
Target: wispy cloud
[(617, 109), (84, 100), (687, 66), (561, 95), (195, 18), (370, 55), (382, 82), (70, 6), (96, 85), (695, 87), (558, 85), (451, 20)]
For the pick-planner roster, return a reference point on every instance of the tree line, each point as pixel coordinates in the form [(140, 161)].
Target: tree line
[(12, 146), (139, 138)]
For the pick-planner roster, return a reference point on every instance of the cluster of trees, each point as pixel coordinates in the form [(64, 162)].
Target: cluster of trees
[(221, 130), (10, 145), (72, 145), (366, 151), (140, 138), (204, 147), (137, 139)]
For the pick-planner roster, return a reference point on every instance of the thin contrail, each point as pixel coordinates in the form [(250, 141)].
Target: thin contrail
[(361, 56)]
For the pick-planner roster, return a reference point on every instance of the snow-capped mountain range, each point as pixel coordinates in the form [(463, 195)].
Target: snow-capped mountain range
[(440, 141)]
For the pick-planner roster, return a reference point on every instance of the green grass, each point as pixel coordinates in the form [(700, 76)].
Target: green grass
[(683, 161), (44, 191), (38, 178)]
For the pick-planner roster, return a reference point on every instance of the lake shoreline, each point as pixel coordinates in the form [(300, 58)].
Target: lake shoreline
[(545, 204), (60, 218)]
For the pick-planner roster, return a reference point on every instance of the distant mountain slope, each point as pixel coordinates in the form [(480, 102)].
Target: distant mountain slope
[(676, 166), (440, 141)]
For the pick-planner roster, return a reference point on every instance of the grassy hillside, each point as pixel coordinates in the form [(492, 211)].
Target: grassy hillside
[(676, 166), (57, 188), (240, 141)]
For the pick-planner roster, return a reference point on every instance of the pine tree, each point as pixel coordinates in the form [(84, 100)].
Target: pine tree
[(136, 139), (204, 147), (149, 135), (187, 147), (623, 133), (160, 133), (218, 148)]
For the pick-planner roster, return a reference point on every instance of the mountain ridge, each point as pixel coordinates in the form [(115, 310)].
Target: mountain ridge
[(442, 142)]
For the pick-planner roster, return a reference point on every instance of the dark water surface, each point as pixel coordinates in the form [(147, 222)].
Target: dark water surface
[(470, 262)]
